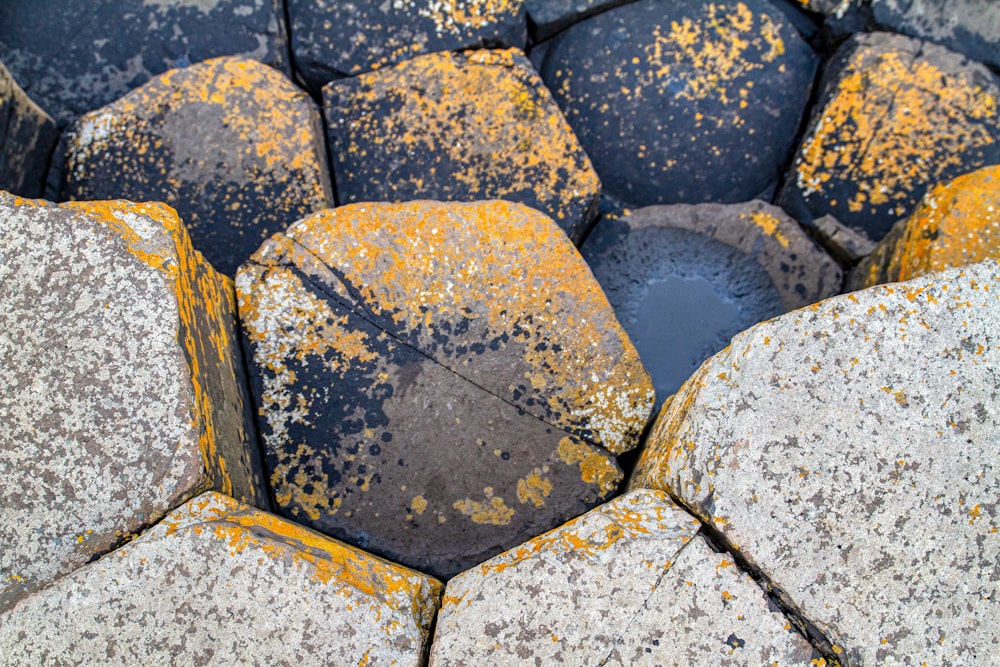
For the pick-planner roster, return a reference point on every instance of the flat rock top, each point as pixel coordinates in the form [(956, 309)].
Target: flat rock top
[(848, 451), (629, 583), (231, 143), (217, 582), (99, 435), (437, 382)]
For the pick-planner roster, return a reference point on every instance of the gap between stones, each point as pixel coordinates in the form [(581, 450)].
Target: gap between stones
[(370, 317), (721, 544)]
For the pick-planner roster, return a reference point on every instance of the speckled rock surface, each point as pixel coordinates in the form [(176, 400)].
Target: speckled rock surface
[(232, 144), (119, 394), (849, 451), (551, 16), (27, 136), (829, 7), (332, 39), (956, 224), (72, 57), (969, 26), (459, 127), (629, 583), (653, 89), (217, 582), (437, 382), (895, 116)]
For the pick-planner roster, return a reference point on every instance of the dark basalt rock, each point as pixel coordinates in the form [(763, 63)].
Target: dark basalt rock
[(230, 143), (436, 382), (73, 56), (551, 16), (27, 137), (332, 39), (683, 101), (895, 116), (459, 127)]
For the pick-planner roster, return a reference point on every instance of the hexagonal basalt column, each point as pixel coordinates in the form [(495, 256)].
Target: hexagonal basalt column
[(895, 116), (459, 127), (437, 382), (230, 143), (219, 582), (121, 393)]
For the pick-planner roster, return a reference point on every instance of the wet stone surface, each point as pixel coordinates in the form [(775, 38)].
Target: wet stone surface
[(629, 583), (684, 279), (332, 39), (233, 585), (437, 382), (230, 143), (956, 224), (27, 137), (848, 452), (459, 127), (653, 88), (122, 393), (73, 57), (895, 116)]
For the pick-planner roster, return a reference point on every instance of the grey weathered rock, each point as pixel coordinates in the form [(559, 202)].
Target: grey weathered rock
[(230, 143), (971, 27), (72, 57), (27, 137), (849, 452), (629, 583), (121, 391), (437, 382), (221, 583), (846, 245)]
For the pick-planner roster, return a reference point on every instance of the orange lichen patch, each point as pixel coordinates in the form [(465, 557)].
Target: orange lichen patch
[(206, 309), (770, 226), (903, 114), (457, 16), (491, 509), (595, 466), (467, 126), (534, 488), (956, 224), (465, 264), (710, 54)]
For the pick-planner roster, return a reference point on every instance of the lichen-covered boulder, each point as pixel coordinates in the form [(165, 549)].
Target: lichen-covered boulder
[(72, 57), (459, 127), (230, 143), (332, 39), (848, 451), (122, 393), (437, 382), (684, 279), (969, 26), (683, 101), (27, 137), (956, 224), (895, 116), (217, 582), (629, 583)]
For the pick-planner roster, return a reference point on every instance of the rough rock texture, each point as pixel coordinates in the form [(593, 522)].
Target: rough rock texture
[(27, 137), (683, 101), (849, 451), (956, 224), (829, 7), (437, 382), (72, 57), (551, 16), (895, 116), (845, 244), (969, 26), (217, 582), (459, 127), (332, 39), (232, 144), (629, 583), (119, 394)]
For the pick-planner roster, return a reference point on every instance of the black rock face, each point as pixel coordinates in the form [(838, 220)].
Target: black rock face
[(73, 56), (27, 137), (683, 101)]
